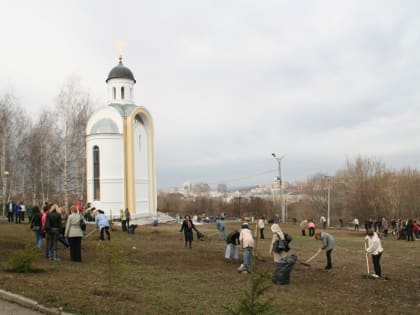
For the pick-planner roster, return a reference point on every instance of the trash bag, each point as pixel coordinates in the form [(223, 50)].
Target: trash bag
[(132, 228), (200, 235), (281, 274)]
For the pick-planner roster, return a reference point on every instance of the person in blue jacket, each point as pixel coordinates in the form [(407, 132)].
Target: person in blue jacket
[(220, 225), (102, 223), (16, 212)]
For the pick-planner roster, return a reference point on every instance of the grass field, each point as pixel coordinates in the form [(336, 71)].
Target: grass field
[(151, 272)]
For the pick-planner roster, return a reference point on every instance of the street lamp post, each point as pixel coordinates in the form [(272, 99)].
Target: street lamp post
[(238, 198), (283, 214)]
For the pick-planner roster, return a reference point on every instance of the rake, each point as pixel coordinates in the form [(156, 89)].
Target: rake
[(307, 262), (369, 275)]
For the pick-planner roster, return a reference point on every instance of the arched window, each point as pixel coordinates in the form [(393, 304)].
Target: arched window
[(114, 92), (96, 175), (122, 92)]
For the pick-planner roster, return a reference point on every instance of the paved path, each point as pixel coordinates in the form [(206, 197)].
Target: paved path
[(14, 304), (7, 308)]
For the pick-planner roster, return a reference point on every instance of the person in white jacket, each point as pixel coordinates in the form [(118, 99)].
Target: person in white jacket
[(261, 227), (247, 242), (277, 235), (374, 247), (74, 234)]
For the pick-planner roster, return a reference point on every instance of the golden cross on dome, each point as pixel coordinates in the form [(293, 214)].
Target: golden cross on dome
[(120, 46)]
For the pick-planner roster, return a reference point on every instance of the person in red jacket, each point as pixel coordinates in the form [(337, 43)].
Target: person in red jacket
[(79, 206), (416, 230), (311, 227)]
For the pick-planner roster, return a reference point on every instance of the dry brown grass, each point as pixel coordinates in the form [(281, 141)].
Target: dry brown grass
[(160, 276)]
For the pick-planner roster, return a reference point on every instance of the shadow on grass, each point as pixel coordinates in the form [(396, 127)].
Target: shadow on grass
[(34, 270)]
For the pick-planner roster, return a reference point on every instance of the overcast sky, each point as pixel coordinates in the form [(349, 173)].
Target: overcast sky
[(230, 82)]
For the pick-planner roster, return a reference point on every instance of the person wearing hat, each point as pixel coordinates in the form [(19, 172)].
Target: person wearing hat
[(102, 224), (284, 261), (247, 242), (277, 235)]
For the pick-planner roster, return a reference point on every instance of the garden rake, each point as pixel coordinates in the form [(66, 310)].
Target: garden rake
[(307, 262)]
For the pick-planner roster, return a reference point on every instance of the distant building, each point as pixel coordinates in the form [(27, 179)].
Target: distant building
[(187, 188), (222, 188)]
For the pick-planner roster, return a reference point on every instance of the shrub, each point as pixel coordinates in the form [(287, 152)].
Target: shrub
[(22, 260), (251, 303), (111, 256)]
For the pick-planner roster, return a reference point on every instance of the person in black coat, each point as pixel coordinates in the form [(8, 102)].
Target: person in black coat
[(52, 226), (188, 227), (36, 226), (232, 240), (410, 230)]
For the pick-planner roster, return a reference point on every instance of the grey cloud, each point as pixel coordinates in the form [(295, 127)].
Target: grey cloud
[(229, 82)]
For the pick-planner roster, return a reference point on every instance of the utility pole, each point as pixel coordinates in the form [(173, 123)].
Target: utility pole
[(328, 209), (328, 178)]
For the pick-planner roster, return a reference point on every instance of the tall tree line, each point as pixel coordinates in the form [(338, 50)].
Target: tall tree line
[(365, 189), (43, 158)]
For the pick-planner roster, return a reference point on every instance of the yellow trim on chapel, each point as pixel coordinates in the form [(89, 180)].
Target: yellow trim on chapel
[(125, 156), (129, 167)]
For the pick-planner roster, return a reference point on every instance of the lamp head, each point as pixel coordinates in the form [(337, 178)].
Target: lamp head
[(273, 154)]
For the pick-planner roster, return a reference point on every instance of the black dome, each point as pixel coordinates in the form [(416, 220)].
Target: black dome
[(120, 72)]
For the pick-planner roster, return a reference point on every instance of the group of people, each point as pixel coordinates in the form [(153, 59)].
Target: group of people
[(403, 229), (380, 225), (408, 230), (308, 224), (243, 239), (55, 224), (15, 211), (233, 240)]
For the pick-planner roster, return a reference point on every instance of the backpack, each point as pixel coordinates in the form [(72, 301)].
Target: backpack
[(282, 245)]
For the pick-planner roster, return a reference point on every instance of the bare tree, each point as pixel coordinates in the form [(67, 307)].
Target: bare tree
[(5, 129), (39, 143), (12, 128), (73, 108), (316, 190)]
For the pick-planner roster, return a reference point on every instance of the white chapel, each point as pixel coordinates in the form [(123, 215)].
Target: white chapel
[(120, 151)]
